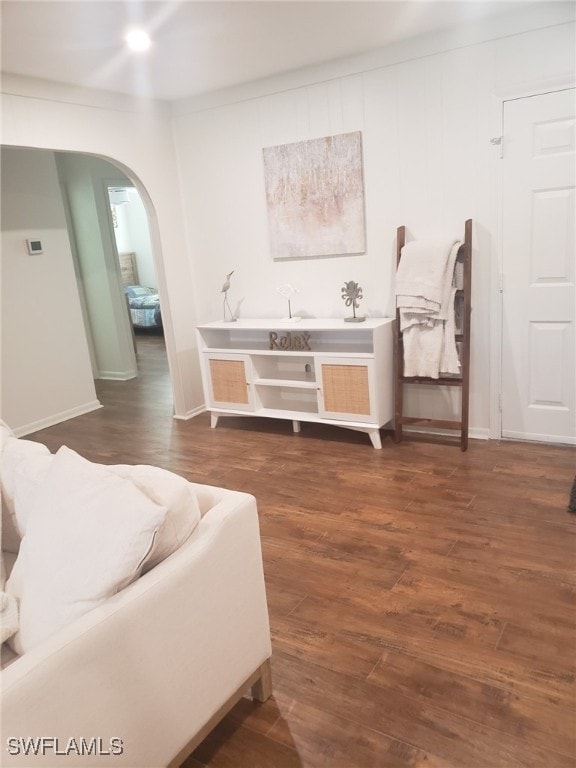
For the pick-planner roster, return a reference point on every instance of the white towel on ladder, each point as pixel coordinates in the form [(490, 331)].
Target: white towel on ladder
[(425, 297)]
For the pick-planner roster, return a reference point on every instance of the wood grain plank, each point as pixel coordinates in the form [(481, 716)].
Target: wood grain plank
[(515, 713), (344, 743), (230, 746), (408, 718), (417, 631)]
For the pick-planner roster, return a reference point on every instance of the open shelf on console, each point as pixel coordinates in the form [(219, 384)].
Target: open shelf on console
[(292, 399), (279, 368)]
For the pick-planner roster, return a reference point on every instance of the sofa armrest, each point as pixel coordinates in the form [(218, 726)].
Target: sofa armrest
[(152, 665)]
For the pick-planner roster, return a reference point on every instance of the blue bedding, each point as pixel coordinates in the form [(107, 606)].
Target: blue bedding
[(144, 306)]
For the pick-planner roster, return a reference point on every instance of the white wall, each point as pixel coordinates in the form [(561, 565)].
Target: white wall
[(46, 371), (136, 135), (426, 126)]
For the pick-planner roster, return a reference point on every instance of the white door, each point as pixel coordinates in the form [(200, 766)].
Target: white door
[(538, 311)]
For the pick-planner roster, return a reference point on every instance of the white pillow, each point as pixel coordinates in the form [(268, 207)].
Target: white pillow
[(87, 535), (171, 491)]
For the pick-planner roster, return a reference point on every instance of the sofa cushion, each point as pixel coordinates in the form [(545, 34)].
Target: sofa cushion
[(171, 491), (19, 458), (8, 616), (28, 478), (88, 533), (8, 604)]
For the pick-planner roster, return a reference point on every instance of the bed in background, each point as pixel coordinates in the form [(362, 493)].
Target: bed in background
[(144, 305), (143, 302)]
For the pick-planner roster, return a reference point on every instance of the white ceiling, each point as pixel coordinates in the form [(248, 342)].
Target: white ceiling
[(204, 46)]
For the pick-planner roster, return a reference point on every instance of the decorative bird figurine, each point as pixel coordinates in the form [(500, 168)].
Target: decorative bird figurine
[(225, 289), (226, 286)]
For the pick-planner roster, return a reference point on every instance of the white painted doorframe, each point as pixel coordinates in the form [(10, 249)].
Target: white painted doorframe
[(496, 256)]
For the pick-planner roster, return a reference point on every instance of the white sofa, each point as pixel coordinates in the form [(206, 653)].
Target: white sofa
[(141, 679)]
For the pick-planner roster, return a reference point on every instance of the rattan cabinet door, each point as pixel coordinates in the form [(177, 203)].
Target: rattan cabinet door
[(229, 377), (346, 388)]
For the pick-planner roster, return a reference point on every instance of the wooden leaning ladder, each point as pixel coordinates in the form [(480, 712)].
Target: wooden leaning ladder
[(463, 380)]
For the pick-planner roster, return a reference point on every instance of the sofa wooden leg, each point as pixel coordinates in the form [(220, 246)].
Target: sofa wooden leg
[(262, 688)]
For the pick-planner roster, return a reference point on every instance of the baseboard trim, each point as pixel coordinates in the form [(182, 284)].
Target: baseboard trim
[(190, 414), (57, 418), (117, 375), (537, 438), (476, 433)]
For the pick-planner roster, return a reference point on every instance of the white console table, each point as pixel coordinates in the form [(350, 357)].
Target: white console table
[(324, 371)]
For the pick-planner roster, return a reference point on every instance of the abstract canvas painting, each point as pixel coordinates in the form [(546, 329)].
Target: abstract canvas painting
[(315, 197)]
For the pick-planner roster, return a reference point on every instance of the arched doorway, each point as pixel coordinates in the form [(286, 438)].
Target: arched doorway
[(46, 363)]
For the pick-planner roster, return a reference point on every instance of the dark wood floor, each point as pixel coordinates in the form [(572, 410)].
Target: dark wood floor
[(422, 600)]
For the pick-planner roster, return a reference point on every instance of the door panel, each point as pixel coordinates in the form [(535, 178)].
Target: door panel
[(538, 311), (346, 388), (230, 381)]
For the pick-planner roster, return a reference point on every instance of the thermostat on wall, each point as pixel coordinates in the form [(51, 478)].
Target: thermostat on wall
[(34, 246)]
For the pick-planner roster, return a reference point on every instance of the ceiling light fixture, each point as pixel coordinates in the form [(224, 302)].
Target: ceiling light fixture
[(138, 40)]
